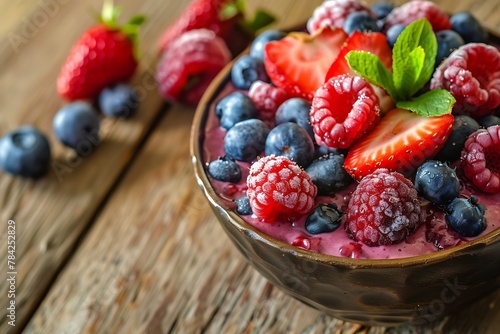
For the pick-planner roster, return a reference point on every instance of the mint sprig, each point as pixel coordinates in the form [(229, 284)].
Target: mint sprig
[(413, 58)]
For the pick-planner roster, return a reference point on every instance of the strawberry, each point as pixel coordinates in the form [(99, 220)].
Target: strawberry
[(102, 56), (299, 62), (400, 142)]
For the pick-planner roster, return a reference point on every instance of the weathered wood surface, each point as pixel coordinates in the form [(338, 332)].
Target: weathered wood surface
[(126, 231)]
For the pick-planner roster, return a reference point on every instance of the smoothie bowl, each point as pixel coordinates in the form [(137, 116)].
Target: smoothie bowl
[(311, 237)]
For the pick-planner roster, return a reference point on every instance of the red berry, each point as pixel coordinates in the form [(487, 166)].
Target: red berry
[(279, 188), (189, 64), (383, 210), (418, 9), (343, 109), (481, 159), (266, 98), (472, 74), (333, 13)]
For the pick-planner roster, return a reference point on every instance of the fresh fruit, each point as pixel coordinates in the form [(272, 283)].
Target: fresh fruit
[(468, 27), (243, 206), (382, 9), (481, 159), (295, 110), (328, 174), (393, 33), (299, 62), (104, 55), (401, 141), (360, 21), (234, 108), (246, 139), (463, 126), (466, 216), (225, 169), (76, 125), (437, 182), (267, 99), (25, 152), (292, 141), (472, 74), (118, 101), (325, 218), (489, 120), (279, 188), (418, 9), (246, 70), (343, 110), (383, 209), (257, 46), (447, 41)]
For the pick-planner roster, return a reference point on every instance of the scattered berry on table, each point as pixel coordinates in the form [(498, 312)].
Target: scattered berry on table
[(292, 141), (328, 174), (382, 9), (25, 152), (257, 46), (267, 99), (246, 70), (447, 42), (437, 182), (234, 108), (279, 188), (343, 110), (463, 126), (466, 216), (393, 33), (76, 125), (325, 218), (225, 169), (489, 120), (243, 206), (468, 27), (383, 210), (481, 159), (246, 139), (418, 9), (360, 21), (295, 110), (120, 100)]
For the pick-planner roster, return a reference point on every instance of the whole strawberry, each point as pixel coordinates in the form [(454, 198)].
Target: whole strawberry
[(103, 55)]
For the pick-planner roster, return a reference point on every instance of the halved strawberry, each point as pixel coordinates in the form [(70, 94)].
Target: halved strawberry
[(299, 62), (401, 141)]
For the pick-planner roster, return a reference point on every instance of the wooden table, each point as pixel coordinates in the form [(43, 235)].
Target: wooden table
[(122, 241)]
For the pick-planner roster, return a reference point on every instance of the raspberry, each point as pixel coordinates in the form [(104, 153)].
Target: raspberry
[(481, 161), (278, 187), (189, 64), (383, 209), (472, 74), (343, 109), (333, 13), (417, 9), (267, 98)]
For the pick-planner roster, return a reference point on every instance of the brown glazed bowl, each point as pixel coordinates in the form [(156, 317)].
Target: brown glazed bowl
[(418, 289)]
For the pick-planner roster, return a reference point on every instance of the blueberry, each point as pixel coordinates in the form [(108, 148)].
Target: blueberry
[(295, 110), (463, 126), (393, 33), (76, 125), (243, 206), (25, 152), (246, 140), (468, 27), (360, 21), (382, 9), (466, 216), (325, 218), (447, 42), (118, 101), (328, 174), (225, 169), (257, 47), (234, 108), (323, 150), (437, 182), (489, 120), (246, 70), (292, 141)]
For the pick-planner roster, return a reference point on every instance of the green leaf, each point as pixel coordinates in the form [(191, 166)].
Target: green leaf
[(435, 102), (136, 20), (232, 9), (260, 20), (409, 71)]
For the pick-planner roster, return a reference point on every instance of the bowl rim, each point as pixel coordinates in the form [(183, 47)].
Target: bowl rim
[(196, 137)]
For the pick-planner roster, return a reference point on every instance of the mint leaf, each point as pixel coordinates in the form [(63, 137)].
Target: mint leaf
[(260, 20), (435, 102), (409, 71)]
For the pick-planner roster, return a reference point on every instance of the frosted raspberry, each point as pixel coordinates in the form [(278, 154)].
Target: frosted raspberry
[(383, 210), (481, 159), (333, 13), (279, 188), (343, 109), (472, 74), (418, 9), (267, 98)]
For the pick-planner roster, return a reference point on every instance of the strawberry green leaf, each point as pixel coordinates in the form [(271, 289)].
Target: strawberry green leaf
[(260, 20), (408, 73), (232, 9), (435, 102)]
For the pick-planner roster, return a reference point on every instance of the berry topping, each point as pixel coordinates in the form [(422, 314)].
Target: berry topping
[(118, 101), (393, 33), (472, 74), (481, 159), (298, 63), (257, 46), (278, 187), (295, 110), (234, 108), (463, 126), (328, 174), (447, 42), (489, 120), (267, 98), (383, 209), (246, 70), (401, 141), (437, 182), (468, 27), (382, 9), (360, 21), (466, 216), (418, 9), (225, 169), (246, 139), (343, 109), (325, 218), (243, 206)]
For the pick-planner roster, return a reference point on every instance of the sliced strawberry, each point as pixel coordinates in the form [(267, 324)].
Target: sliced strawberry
[(401, 141), (299, 62)]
